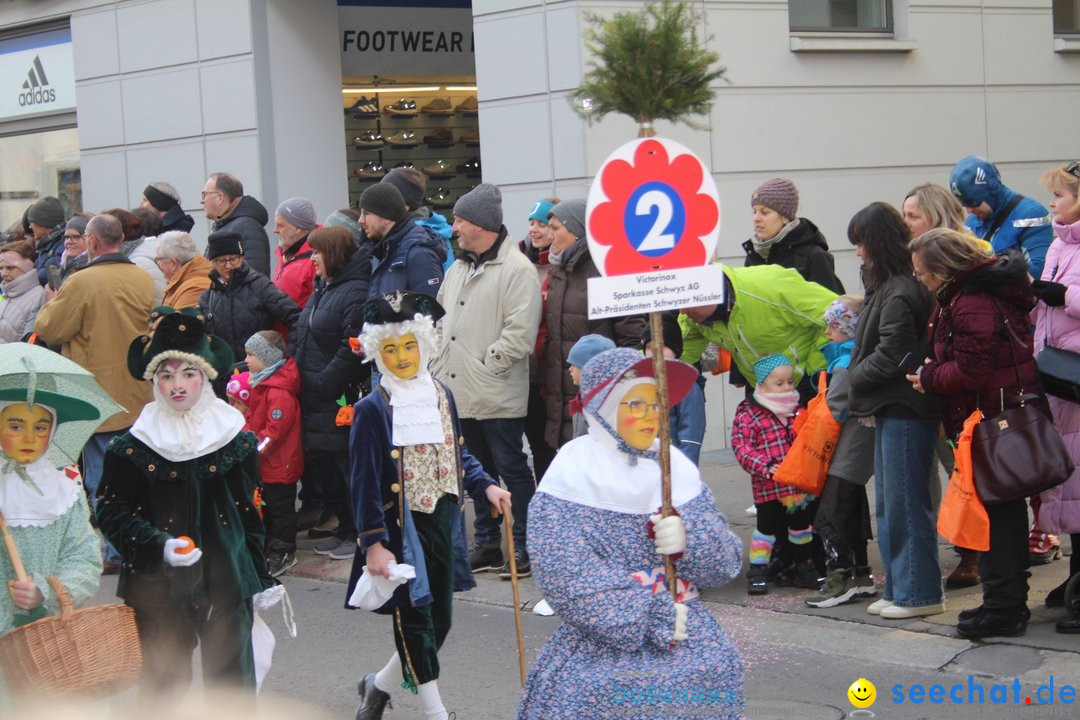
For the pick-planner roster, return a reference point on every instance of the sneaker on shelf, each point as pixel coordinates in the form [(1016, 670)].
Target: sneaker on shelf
[(402, 108), (468, 106), (837, 589), (524, 567), (439, 198), (440, 136), (471, 138), (345, 550), (485, 556), (372, 171), (405, 164), (439, 107), (863, 581), (470, 166), (439, 168), (370, 139), (403, 138), (326, 527), (278, 562), (364, 107)]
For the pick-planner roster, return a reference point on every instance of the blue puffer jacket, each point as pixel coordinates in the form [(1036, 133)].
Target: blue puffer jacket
[(976, 180), (412, 259)]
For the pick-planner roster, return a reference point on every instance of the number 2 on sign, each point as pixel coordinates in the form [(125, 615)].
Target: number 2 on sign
[(657, 238)]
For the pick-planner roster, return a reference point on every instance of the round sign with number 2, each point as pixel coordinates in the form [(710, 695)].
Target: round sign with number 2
[(653, 206)]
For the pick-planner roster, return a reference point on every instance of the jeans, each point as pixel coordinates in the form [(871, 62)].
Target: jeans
[(93, 462), (497, 444), (907, 534), (688, 423)]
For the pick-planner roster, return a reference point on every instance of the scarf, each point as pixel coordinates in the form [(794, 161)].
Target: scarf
[(762, 247), (555, 258), (258, 377), (783, 404), (209, 425)]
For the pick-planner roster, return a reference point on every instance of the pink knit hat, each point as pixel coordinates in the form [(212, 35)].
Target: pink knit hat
[(780, 194)]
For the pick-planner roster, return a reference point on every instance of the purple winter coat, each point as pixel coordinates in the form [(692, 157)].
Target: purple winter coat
[(1060, 327)]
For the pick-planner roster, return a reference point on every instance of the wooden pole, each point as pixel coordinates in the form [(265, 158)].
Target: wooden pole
[(13, 552), (508, 523)]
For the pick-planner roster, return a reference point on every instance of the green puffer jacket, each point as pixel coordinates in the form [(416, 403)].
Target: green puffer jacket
[(775, 311)]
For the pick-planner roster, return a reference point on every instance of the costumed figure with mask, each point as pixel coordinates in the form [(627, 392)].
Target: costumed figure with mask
[(176, 501), (598, 545), (409, 470)]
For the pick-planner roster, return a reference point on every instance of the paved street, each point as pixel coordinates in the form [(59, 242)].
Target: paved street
[(799, 661)]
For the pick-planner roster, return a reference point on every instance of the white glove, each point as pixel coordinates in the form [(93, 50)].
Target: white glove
[(177, 559), (681, 613), (670, 534), (268, 598)]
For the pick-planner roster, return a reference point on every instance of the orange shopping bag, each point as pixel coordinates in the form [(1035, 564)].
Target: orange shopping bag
[(962, 519), (807, 462)]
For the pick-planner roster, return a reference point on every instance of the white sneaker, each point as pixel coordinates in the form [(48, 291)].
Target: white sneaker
[(752, 510), (876, 607), (542, 608), (895, 612)]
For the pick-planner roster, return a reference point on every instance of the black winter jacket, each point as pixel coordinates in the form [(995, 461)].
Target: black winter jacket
[(803, 249), (413, 258), (249, 219), (247, 304), (176, 219), (320, 346), (49, 250)]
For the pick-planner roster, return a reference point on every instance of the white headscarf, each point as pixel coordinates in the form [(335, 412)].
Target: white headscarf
[(34, 494)]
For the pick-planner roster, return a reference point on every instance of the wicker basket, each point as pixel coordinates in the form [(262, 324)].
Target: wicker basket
[(93, 651)]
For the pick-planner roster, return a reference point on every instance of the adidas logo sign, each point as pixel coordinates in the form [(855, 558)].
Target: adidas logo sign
[(980, 176), (36, 86)]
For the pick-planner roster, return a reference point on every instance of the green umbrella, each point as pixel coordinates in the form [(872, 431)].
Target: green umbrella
[(29, 373)]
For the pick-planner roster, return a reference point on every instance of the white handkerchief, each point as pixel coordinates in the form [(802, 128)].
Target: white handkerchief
[(372, 591)]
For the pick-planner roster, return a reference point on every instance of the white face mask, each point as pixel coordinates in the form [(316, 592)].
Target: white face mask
[(782, 404)]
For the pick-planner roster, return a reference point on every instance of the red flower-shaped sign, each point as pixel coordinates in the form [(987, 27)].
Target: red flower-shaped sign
[(653, 206)]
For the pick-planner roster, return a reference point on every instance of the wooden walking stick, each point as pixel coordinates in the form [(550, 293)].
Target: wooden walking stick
[(656, 345), (12, 551), (508, 523)]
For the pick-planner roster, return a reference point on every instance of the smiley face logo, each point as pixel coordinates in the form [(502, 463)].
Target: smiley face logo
[(862, 693)]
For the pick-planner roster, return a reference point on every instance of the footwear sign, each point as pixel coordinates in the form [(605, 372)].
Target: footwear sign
[(653, 221), (38, 74)]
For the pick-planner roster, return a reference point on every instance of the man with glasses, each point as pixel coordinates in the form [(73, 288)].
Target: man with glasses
[(230, 209), (187, 273), (241, 301), (1001, 216)]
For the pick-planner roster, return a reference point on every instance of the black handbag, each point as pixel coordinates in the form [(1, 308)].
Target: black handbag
[(1059, 371), (1018, 452)]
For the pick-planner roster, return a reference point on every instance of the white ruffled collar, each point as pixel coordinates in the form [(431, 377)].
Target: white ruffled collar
[(209, 425), (415, 402), (24, 506)]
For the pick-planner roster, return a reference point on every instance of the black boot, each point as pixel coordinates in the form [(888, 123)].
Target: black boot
[(1001, 622), (1071, 624), (372, 700), (757, 580)]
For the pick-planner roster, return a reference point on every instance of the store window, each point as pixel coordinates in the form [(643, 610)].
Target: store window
[(1067, 17), (863, 16), (35, 165)]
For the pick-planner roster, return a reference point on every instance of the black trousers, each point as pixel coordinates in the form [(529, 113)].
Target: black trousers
[(279, 516), (1004, 566), (419, 632), (535, 421), (843, 523), (329, 469), (774, 519)]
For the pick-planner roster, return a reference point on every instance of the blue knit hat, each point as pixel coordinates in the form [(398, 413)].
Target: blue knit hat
[(588, 347), (767, 364), (540, 211)]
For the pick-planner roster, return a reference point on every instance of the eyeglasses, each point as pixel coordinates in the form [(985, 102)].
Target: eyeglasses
[(207, 193), (639, 408), (1073, 168), (73, 237), (159, 260), (228, 261)]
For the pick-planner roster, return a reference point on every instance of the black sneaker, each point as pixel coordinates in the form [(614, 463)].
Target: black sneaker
[(365, 107), (524, 567), (485, 557), (470, 167), (804, 575), (278, 563), (308, 518), (402, 108), (757, 581), (326, 527), (370, 139)]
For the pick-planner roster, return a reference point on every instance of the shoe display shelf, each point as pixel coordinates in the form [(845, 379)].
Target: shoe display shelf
[(443, 144)]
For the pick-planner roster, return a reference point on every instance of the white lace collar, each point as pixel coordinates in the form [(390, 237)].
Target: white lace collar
[(24, 506), (178, 436)]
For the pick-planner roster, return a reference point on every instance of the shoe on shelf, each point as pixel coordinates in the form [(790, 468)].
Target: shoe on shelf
[(471, 138), (403, 138), (402, 108), (895, 612), (994, 622), (524, 567), (439, 107), (405, 164), (486, 556), (326, 527), (439, 198), (470, 167), (440, 136), (439, 169), (345, 550), (877, 606), (757, 581), (966, 573), (838, 588), (372, 700), (371, 171), (308, 518), (1056, 597), (364, 107), (370, 139), (863, 581), (468, 106), (278, 562)]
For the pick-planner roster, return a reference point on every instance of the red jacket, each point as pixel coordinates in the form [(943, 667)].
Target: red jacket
[(274, 412), (295, 274)]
